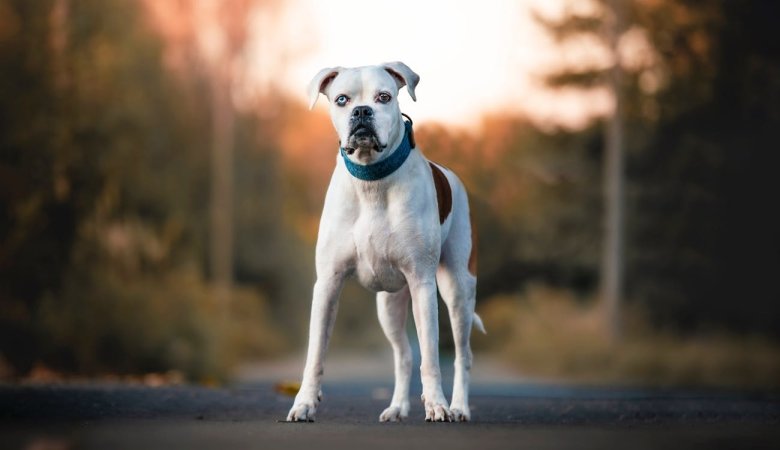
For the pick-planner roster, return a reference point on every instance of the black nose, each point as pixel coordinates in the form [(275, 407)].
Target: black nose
[(362, 112)]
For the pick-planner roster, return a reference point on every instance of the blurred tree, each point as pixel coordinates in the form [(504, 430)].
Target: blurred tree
[(251, 196), (707, 247), (103, 191), (39, 165), (606, 23), (213, 37), (611, 289), (701, 90), (230, 33)]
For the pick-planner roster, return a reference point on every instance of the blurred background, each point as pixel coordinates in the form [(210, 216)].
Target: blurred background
[(161, 181)]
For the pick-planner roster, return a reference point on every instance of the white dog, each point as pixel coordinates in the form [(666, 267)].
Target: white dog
[(400, 224)]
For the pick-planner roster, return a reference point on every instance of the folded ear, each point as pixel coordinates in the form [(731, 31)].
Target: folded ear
[(320, 82), (404, 76)]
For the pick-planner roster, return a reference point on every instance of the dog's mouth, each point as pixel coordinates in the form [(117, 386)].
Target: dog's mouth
[(362, 136)]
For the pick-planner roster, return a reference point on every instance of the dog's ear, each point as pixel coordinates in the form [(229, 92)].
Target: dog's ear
[(320, 82), (403, 75)]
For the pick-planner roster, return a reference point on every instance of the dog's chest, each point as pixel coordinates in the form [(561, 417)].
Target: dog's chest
[(379, 248)]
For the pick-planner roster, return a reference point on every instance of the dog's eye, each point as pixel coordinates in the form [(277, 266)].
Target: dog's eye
[(383, 97), (342, 100)]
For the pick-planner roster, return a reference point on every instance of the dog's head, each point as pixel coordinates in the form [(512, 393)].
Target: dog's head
[(364, 106)]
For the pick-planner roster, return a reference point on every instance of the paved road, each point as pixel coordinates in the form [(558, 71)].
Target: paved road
[(517, 415)]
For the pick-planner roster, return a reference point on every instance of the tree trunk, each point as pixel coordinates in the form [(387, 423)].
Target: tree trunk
[(612, 256), (221, 208)]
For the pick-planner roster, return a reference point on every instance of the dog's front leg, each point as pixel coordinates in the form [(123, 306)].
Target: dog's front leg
[(426, 319), (323, 316)]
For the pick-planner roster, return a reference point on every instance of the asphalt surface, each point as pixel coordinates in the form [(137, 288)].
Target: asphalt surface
[(505, 415)]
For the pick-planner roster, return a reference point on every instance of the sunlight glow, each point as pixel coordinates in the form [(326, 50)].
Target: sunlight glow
[(474, 58)]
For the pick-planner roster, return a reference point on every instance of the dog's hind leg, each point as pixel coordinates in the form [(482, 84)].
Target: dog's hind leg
[(458, 287), (458, 290), (392, 309)]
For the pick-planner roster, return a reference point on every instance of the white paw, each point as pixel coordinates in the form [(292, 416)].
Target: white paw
[(305, 408), (302, 412), (437, 410), (460, 413), (395, 413)]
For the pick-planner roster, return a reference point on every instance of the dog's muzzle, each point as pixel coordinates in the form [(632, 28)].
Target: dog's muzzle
[(362, 133)]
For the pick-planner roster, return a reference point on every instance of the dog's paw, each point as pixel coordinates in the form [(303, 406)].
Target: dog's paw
[(460, 410), (460, 414), (302, 412), (305, 407), (436, 410), (395, 413)]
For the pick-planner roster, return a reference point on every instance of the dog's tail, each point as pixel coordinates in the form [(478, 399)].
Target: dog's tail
[(477, 323)]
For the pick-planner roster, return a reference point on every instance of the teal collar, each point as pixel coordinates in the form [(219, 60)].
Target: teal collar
[(383, 168)]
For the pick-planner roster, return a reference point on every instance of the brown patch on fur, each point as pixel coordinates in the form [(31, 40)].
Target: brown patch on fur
[(473, 255), (443, 192)]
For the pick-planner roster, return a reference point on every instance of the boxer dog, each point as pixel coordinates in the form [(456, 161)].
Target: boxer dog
[(401, 225)]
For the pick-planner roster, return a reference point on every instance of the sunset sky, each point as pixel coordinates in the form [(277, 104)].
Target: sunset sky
[(473, 57)]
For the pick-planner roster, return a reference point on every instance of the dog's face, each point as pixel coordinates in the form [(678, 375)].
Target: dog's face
[(364, 106)]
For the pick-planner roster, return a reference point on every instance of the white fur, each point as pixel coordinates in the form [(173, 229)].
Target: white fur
[(387, 234)]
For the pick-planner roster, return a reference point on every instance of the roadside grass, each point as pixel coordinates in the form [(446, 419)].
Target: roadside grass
[(552, 333)]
